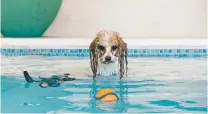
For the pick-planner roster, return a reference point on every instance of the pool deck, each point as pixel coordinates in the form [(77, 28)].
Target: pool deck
[(147, 43)]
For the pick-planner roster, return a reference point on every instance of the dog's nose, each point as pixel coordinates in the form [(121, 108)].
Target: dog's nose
[(107, 58)]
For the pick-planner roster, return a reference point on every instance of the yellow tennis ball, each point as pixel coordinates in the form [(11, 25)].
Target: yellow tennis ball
[(107, 95), (109, 98), (103, 92)]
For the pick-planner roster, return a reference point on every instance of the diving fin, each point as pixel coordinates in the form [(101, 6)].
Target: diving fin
[(27, 77)]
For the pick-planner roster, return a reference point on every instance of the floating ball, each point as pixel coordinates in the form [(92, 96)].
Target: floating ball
[(107, 95)]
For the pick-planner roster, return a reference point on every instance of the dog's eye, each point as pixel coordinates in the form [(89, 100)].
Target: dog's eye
[(100, 47), (114, 47)]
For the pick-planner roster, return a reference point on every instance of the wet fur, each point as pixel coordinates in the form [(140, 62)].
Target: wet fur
[(122, 52)]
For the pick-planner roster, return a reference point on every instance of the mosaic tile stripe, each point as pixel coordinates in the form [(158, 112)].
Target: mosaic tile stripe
[(85, 52)]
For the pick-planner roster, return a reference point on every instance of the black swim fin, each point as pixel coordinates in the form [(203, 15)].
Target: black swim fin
[(27, 77), (68, 79)]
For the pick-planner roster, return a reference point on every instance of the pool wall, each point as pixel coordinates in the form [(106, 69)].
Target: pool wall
[(131, 18), (180, 48)]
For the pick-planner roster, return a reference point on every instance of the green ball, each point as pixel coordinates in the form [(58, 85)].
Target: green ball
[(27, 18)]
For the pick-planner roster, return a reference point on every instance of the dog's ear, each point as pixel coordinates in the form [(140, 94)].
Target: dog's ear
[(126, 57), (93, 56), (123, 58), (93, 45)]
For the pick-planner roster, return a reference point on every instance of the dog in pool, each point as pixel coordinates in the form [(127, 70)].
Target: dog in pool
[(108, 54)]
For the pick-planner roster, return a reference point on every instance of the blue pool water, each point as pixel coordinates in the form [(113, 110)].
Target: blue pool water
[(135, 95), (160, 85)]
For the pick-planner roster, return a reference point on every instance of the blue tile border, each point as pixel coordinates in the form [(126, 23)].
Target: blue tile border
[(134, 53)]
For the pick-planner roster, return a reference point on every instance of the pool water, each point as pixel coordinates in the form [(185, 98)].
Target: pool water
[(153, 85)]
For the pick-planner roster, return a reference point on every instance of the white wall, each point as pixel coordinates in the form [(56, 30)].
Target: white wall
[(132, 18)]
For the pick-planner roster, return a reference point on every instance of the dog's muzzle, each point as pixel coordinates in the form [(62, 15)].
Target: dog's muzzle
[(108, 60)]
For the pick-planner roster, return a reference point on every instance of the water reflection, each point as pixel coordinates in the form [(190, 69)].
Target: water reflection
[(86, 89), (120, 86), (79, 96)]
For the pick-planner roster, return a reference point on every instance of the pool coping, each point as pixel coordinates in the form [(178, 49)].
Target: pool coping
[(72, 43)]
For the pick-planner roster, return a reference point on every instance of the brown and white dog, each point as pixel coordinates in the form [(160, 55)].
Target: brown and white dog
[(108, 54)]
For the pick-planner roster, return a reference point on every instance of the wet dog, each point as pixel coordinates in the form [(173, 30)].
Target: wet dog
[(108, 54)]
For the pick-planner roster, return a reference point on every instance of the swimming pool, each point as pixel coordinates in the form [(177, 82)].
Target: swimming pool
[(153, 85), (159, 81)]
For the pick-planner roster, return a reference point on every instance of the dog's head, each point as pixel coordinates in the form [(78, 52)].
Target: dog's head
[(108, 47)]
